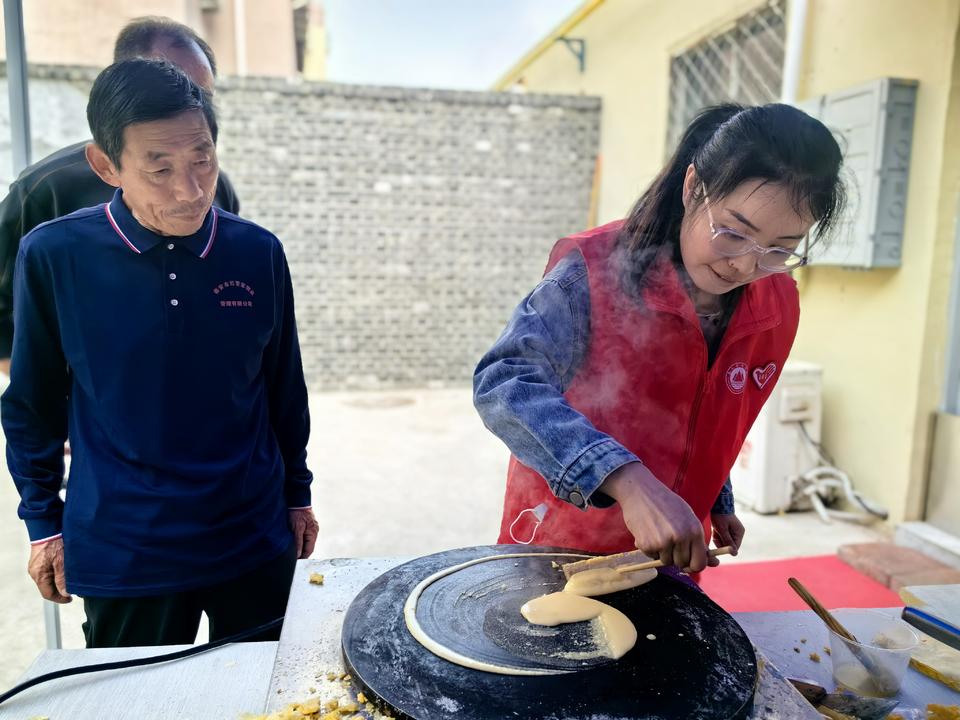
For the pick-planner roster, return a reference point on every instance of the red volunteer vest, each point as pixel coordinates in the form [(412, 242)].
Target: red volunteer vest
[(645, 382)]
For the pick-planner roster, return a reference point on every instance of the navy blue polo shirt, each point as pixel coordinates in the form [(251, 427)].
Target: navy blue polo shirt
[(173, 365)]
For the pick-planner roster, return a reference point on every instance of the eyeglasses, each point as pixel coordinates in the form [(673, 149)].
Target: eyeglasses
[(730, 243)]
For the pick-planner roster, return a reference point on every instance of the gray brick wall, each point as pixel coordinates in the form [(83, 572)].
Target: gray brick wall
[(58, 107), (413, 220)]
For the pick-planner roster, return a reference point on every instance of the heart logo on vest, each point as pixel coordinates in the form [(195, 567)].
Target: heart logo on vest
[(761, 376), (737, 377)]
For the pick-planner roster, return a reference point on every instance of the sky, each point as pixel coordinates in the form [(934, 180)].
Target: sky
[(461, 44)]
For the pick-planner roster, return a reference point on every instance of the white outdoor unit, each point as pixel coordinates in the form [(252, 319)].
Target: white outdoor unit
[(775, 449)]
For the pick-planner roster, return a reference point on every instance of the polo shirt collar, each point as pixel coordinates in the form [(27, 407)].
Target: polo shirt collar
[(140, 240)]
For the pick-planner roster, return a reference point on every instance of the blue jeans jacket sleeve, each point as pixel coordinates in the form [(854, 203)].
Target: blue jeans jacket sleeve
[(519, 386), (724, 502)]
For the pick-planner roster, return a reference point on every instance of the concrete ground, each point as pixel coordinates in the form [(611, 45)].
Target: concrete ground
[(397, 473)]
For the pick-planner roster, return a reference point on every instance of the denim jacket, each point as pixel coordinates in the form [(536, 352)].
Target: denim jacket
[(519, 383)]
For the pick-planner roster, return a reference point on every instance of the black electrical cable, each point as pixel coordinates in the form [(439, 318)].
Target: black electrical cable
[(882, 514), (135, 662), (824, 455)]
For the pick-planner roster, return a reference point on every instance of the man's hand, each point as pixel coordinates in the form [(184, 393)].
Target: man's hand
[(46, 569), (727, 530), (662, 523), (5, 366), (305, 529)]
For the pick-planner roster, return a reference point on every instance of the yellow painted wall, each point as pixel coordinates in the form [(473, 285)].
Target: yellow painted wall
[(879, 334), (943, 258), (629, 44), (315, 46)]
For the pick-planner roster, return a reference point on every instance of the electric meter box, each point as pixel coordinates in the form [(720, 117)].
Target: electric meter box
[(873, 123)]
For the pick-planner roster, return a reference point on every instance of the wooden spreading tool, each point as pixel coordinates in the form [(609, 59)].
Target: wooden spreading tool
[(626, 562)]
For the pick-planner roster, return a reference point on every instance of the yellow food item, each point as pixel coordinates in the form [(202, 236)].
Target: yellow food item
[(315, 708), (943, 712), (316, 579), (938, 661), (310, 707), (833, 714), (308, 710), (605, 580)]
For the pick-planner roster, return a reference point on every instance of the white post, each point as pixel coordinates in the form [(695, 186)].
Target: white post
[(240, 35), (793, 50), (51, 622), (20, 143), (951, 385)]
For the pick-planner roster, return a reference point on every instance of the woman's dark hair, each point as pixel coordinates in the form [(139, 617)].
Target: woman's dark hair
[(728, 145), (137, 91)]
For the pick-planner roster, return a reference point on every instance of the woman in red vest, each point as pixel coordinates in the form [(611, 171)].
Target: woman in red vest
[(626, 382)]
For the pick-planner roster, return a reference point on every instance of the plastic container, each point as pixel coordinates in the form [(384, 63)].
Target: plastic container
[(876, 665)]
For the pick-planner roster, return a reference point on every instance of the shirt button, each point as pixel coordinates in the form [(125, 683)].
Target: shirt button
[(577, 499), (174, 302), (173, 276), (169, 246)]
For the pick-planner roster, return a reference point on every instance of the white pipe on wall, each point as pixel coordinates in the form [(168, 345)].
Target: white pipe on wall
[(793, 51), (240, 35)]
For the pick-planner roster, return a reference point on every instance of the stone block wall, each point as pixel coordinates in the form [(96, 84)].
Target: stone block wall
[(413, 220)]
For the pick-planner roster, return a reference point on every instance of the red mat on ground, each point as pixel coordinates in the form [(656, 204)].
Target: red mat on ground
[(762, 586)]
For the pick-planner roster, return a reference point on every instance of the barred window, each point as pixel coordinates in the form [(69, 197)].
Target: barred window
[(742, 63)]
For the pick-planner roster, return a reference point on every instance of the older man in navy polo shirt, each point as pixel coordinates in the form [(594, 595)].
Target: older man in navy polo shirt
[(158, 333)]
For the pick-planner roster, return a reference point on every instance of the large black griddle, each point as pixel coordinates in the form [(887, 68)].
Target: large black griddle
[(700, 666)]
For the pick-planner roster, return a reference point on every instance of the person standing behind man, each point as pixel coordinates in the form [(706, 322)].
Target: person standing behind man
[(158, 332), (63, 181)]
